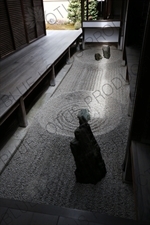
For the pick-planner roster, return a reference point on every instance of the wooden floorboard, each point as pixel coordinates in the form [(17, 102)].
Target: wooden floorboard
[(20, 71)]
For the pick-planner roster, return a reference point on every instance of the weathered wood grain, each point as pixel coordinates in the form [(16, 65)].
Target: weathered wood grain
[(20, 72)]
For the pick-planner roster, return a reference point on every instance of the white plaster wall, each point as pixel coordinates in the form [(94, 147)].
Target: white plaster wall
[(55, 10), (101, 35)]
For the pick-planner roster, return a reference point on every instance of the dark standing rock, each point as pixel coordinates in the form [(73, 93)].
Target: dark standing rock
[(98, 56), (90, 167), (106, 51)]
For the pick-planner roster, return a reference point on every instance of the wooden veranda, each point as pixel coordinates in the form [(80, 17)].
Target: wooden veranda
[(22, 71)]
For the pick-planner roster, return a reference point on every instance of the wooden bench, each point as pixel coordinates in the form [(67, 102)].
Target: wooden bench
[(23, 71), (140, 155)]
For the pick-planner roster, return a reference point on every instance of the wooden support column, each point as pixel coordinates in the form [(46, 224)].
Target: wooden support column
[(83, 38), (127, 74), (22, 114), (52, 80), (82, 20), (127, 168), (78, 45), (69, 55)]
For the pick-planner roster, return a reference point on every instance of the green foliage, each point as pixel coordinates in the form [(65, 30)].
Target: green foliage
[(77, 25), (74, 10), (92, 12)]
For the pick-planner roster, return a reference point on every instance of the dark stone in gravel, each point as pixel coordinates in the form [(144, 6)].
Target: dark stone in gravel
[(87, 155)]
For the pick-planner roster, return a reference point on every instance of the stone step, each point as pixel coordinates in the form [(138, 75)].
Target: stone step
[(14, 212)]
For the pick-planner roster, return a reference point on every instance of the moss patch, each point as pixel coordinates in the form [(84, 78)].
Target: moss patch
[(60, 27)]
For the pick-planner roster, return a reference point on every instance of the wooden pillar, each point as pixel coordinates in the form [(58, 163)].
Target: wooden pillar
[(78, 45), (22, 114), (82, 20), (83, 38), (127, 170), (69, 53), (68, 60), (52, 79), (82, 11)]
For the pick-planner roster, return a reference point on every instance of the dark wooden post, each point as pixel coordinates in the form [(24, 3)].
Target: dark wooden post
[(69, 55), (125, 35), (22, 113), (82, 11), (82, 19), (52, 81)]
